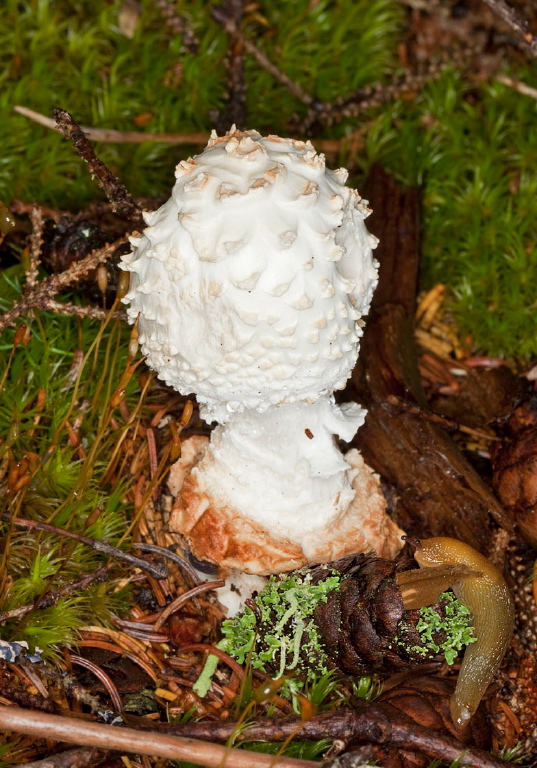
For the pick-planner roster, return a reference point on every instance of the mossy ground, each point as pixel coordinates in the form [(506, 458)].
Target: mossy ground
[(58, 463), (471, 146)]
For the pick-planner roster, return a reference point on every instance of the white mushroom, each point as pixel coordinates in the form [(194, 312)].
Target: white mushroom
[(250, 284)]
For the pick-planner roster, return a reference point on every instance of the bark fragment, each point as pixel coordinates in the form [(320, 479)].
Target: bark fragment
[(437, 492)]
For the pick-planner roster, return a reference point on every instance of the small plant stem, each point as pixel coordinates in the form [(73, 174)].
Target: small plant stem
[(128, 740), (133, 420), (51, 598), (8, 517), (156, 570), (517, 85), (121, 199)]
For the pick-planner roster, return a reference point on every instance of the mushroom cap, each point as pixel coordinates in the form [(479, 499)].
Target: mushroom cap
[(250, 282)]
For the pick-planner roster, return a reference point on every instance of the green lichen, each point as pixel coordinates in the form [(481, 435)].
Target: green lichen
[(456, 627), (289, 638)]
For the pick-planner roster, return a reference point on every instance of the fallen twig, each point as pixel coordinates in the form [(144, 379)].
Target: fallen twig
[(41, 295), (118, 194), (230, 26), (51, 598), (185, 567), (156, 570), (526, 39), (517, 85), (107, 135), (128, 740), (373, 723)]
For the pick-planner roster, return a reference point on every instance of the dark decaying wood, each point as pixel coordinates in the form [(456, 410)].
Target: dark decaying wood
[(381, 724), (80, 757), (437, 492)]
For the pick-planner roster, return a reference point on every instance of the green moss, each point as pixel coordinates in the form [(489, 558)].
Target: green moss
[(475, 157), (40, 393), (470, 146), (74, 55)]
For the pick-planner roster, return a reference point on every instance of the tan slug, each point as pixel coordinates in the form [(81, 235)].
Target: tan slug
[(480, 586)]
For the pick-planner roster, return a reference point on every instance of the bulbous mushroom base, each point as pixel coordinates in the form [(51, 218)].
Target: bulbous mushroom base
[(280, 540)]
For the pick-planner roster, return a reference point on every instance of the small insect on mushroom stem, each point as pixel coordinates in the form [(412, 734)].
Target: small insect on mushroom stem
[(480, 586)]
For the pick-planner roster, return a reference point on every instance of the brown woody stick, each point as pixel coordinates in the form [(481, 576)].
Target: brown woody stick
[(121, 199), (526, 39), (41, 296), (156, 570), (372, 723), (128, 740)]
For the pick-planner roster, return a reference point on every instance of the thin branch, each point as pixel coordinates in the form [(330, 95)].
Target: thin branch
[(156, 570), (99, 576), (517, 85), (262, 59), (526, 39), (185, 567), (107, 135), (128, 740), (40, 296), (373, 96), (373, 723), (118, 194), (77, 310), (36, 243)]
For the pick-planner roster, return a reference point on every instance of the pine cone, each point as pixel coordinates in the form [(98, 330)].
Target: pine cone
[(347, 615), (363, 624)]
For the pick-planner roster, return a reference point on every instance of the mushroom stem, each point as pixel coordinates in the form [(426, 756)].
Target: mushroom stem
[(279, 476)]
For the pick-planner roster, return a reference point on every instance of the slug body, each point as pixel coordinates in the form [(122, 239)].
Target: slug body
[(480, 586)]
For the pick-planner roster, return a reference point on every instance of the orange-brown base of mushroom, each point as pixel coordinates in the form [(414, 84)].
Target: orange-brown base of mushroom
[(217, 532)]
